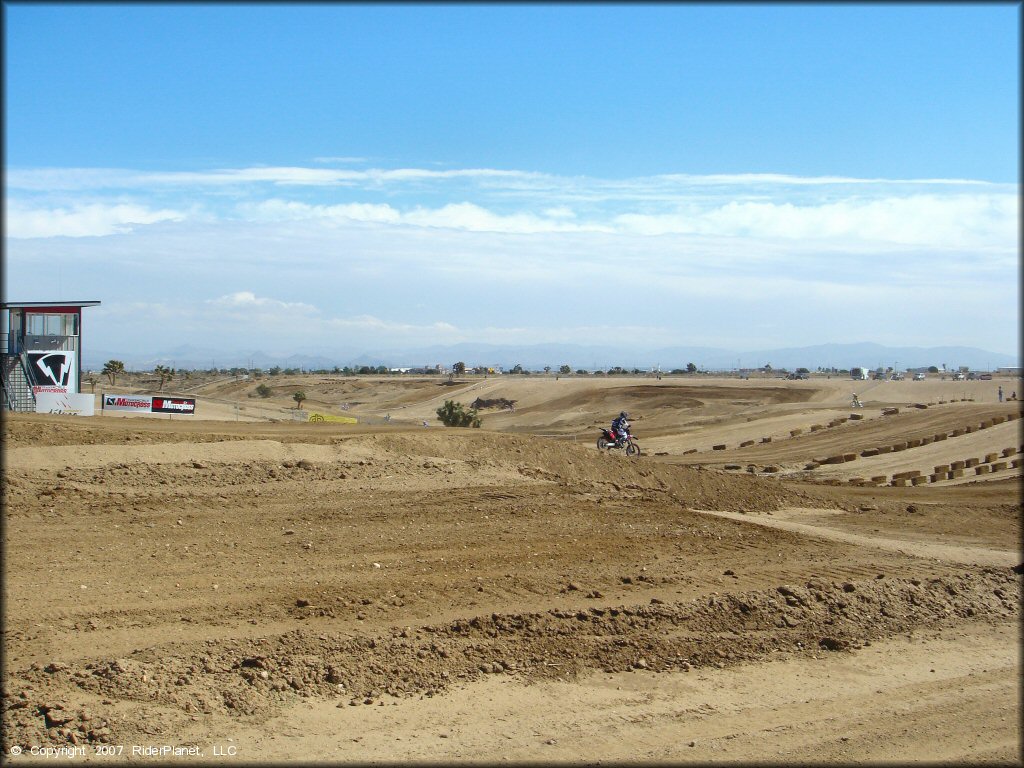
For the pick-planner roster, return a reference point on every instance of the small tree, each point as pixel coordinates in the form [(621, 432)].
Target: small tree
[(691, 368), (459, 368), (453, 414), (111, 369), (164, 373), (264, 390), (298, 397), (565, 370)]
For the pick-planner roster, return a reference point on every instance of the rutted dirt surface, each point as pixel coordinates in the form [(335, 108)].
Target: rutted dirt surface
[(201, 583)]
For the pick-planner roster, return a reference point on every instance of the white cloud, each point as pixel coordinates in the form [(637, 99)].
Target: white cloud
[(290, 210), (674, 185), (247, 300), (43, 179), (90, 220), (376, 256), (781, 179), (956, 222), (478, 219), (939, 213), (459, 216), (923, 220)]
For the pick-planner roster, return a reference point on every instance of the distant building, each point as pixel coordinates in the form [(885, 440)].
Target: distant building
[(41, 342)]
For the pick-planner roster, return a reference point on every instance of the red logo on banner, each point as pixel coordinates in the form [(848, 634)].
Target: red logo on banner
[(174, 405)]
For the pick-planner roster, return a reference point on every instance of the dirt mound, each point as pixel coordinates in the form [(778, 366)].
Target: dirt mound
[(252, 678)]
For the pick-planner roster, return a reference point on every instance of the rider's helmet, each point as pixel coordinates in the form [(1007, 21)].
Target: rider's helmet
[(623, 415)]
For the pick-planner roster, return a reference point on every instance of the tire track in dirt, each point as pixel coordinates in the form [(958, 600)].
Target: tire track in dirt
[(790, 520)]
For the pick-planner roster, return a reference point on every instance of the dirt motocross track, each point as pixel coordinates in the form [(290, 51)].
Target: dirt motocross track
[(241, 586)]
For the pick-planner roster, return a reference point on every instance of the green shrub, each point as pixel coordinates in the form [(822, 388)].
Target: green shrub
[(453, 414)]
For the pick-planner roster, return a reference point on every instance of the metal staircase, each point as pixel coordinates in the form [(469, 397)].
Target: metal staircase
[(17, 388)]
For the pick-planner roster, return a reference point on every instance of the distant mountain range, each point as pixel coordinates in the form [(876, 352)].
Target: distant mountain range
[(538, 356)]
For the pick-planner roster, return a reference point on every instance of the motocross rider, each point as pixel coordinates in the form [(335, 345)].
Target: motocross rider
[(620, 427)]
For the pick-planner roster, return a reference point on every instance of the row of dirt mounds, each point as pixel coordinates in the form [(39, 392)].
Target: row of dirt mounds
[(879, 445), (256, 676), (180, 581), (871, 430)]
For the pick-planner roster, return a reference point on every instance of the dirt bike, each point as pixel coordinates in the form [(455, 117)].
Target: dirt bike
[(607, 442)]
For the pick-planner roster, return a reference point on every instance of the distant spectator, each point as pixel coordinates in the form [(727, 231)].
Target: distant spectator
[(1000, 394)]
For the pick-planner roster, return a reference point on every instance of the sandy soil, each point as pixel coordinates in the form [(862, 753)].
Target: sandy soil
[(251, 587)]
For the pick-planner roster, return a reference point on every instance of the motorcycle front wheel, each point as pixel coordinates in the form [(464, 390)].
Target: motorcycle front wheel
[(632, 449)]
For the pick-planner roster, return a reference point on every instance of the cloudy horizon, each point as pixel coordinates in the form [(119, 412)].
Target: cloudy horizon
[(896, 222)]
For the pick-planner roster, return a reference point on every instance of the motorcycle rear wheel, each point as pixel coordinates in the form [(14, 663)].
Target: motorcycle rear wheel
[(601, 443)]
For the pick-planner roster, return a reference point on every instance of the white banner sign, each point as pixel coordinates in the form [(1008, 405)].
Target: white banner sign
[(68, 404), (136, 403), (149, 404), (54, 368)]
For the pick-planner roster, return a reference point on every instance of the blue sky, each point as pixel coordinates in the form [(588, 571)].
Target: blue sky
[(335, 176)]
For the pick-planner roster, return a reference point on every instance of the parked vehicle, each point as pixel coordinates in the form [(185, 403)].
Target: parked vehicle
[(919, 377), (859, 374)]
